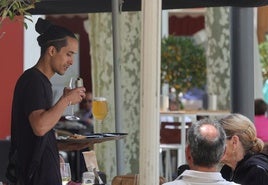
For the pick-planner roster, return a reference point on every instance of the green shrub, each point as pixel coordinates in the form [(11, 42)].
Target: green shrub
[(263, 49), (183, 63)]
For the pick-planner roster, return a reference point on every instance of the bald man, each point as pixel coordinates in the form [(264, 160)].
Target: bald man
[(205, 147)]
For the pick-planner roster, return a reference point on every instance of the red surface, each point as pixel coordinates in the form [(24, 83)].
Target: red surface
[(11, 57), (185, 26)]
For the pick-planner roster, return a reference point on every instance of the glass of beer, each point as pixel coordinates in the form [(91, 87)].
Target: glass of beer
[(99, 108)]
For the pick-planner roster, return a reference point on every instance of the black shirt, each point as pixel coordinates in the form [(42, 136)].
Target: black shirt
[(33, 92), (252, 170)]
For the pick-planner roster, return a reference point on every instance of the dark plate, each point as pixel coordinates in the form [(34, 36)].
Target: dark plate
[(93, 138), (114, 134), (96, 135), (69, 143), (100, 135)]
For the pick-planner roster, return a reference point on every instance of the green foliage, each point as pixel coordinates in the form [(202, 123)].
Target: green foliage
[(183, 63), (12, 8), (263, 49)]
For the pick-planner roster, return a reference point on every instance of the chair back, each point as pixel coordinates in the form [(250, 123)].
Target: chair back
[(170, 132), (131, 179)]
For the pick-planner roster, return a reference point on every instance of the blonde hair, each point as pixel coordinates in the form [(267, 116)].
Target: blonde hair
[(237, 124)]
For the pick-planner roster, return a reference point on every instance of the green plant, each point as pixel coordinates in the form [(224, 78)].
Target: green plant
[(263, 50), (13, 8), (183, 63)]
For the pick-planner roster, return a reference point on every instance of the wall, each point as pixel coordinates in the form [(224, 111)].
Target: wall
[(31, 49), (262, 24), (11, 56)]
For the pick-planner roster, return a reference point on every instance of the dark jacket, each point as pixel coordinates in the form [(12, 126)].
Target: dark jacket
[(252, 170)]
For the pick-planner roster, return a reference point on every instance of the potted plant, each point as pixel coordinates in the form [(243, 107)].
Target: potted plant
[(263, 49), (183, 63), (14, 8)]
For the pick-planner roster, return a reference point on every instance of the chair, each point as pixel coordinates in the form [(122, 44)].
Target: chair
[(170, 139), (131, 179), (4, 150)]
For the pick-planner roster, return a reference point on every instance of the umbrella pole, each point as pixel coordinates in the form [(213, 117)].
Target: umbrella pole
[(242, 57), (117, 84)]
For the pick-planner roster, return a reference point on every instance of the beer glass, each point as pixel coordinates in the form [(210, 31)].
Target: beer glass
[(99, 108)]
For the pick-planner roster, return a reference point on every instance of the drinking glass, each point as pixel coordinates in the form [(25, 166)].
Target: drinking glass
[(65, 172), (71, 117), (88, 178), (99, 108)]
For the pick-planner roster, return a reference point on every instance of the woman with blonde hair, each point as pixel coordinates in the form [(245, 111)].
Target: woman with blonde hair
[(248, 166)]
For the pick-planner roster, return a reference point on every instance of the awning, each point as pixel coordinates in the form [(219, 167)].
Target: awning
[(94, 6)]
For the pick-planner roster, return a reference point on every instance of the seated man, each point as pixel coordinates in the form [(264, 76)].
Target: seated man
[(205, 148)]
